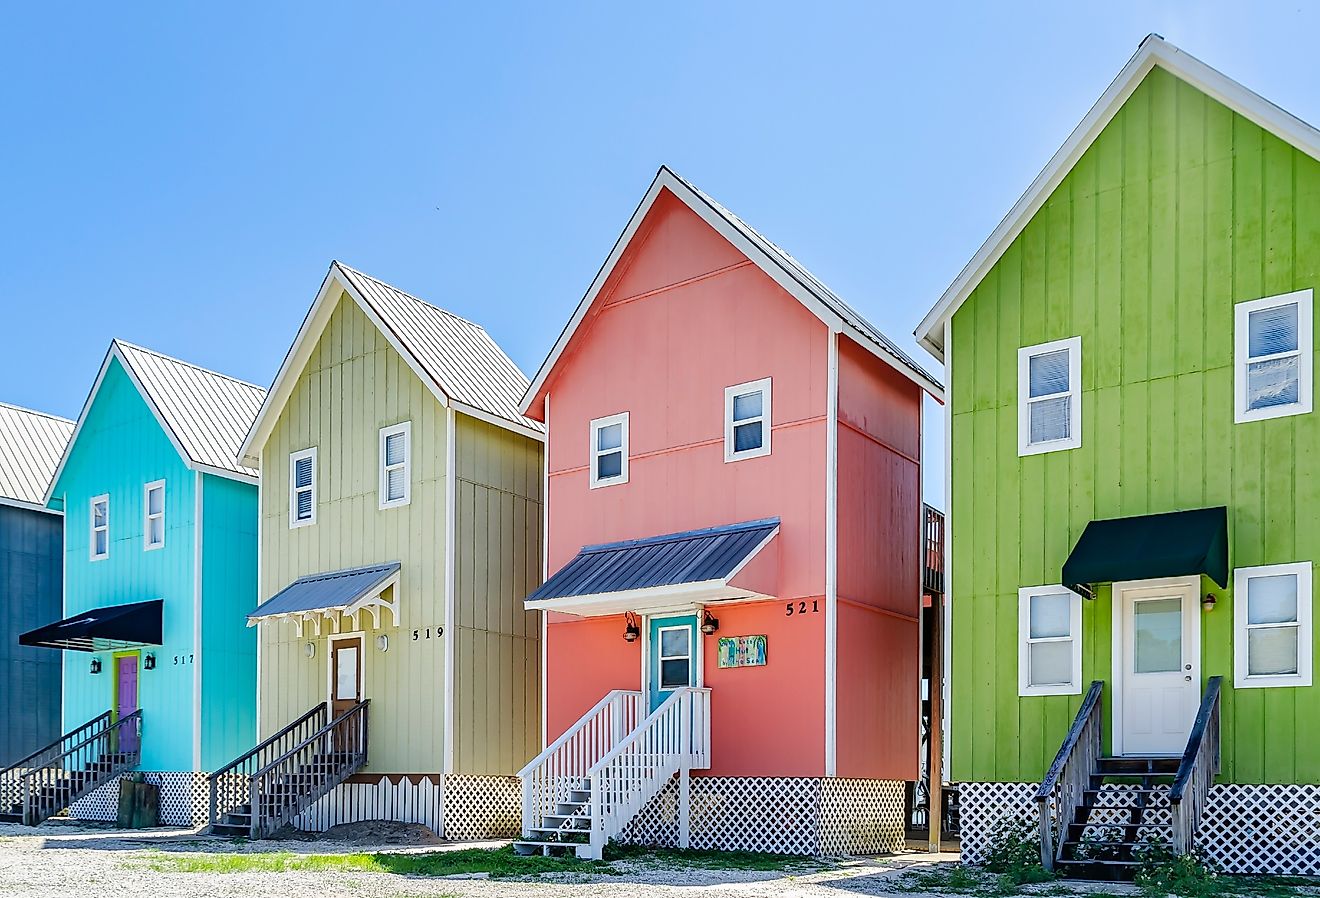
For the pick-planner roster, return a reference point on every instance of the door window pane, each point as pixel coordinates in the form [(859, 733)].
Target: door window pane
[(674, 673), (1051, 663), (1050, 616), (674, 642), (346, 673), (1157, 635), (1271, 651), (1272, 600)]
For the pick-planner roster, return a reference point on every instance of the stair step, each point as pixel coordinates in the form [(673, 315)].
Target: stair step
[(527, 847), (1103, 871), (576, 818), (1136, 766)]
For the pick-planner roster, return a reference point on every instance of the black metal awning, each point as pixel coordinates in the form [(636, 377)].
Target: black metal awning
[(111, 627), (1174, 544)]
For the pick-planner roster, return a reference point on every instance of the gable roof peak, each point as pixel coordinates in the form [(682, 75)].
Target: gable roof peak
[(1153, 51)]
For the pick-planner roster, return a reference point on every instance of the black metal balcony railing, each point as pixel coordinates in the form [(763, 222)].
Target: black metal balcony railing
[(932, 563)]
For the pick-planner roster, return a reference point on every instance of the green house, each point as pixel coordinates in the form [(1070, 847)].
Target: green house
[(1133, 455)]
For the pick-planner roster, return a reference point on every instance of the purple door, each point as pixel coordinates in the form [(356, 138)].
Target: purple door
[(126, 698)]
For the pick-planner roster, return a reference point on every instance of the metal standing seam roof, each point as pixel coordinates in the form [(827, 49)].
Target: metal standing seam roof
[(209, 414), (815, 285), (31, 445), (695, 556), (463, 360), (325, 591)]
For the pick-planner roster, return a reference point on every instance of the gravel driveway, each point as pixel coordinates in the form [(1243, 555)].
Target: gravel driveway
[(61, 859)]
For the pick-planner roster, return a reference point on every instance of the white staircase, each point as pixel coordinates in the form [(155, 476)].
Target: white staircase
[(592, 781)]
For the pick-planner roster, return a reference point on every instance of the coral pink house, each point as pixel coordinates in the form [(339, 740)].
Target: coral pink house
[(734, 538)]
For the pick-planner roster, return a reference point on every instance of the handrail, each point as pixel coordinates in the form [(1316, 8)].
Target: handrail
[(266, 743), (104, 715), (11, 777), (323, 731), (1069, 776), (568, 733), (229, 785), (1196, 770), (56, 784)]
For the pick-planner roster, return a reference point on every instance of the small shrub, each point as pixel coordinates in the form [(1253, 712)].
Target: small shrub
[(1098, 844), (1161, 871), (1014, 854)]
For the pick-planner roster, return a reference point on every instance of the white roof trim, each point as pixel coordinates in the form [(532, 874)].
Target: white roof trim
[(28, 506), (649, 599), (694, 200), (372, 603), (192, 465), (1154, 50)]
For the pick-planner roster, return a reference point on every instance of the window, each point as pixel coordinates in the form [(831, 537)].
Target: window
[(395, 465), (302, 488), (1272, 625), (747, 420), (675, 657), (1050, 644), (1272, 357), (153, 515), (1050, 396), (100, 521), (609, 450)]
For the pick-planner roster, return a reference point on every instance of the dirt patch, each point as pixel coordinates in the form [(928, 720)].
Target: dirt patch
[(367, 832)]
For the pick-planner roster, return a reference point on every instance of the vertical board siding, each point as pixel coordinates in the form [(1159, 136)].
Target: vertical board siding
[(228, 656), (120, 448), (354, 383), (30, 597), (1178, 210), (497, 670)]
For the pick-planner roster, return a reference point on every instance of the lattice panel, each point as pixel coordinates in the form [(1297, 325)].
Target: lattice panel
[(753, 813), (657, 823), (984, 807), (483, 807), (861, 816), (184, 799), (1262, 829), (395, 798)]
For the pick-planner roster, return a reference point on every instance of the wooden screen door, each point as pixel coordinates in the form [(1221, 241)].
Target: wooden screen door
[(126, 696)]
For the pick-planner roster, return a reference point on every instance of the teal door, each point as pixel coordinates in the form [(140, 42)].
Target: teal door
[(673, 649)]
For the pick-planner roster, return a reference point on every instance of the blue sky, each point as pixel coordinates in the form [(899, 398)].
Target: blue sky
[(181, 175)]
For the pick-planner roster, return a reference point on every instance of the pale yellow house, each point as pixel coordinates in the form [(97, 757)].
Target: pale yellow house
[(400, 531)]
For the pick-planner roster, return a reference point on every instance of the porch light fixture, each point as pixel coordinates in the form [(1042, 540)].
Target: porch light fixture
[(149, 662), (310, 650), (709, 624), (383, 642), (631, 631), (96, 665), (1208, 603)]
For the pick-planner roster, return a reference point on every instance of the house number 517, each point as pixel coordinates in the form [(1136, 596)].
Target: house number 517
[(792, 608)]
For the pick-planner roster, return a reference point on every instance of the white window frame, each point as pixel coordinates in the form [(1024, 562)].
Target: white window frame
[(763, 386), (594, 454), (147, 516), (1305, 358), (1025, 641), (661, 657), (92, 528), (294, 458), (404, 428), (1241, 679), (1074, 440)]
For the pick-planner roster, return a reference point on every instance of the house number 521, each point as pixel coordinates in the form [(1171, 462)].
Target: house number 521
[(792, 608)]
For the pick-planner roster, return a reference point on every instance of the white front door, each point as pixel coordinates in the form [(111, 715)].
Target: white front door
[(1159, 667)]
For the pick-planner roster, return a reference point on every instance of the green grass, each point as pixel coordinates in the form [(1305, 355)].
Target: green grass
[(955, 879), (696, 859), (498, 862)]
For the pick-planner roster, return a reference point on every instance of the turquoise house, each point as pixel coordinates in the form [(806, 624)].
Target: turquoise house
[(160, 571)]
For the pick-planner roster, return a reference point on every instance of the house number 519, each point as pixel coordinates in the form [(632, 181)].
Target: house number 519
[(792, 608)]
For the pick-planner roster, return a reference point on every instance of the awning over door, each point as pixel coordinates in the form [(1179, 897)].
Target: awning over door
[(1174, 544), (727, 563), (332, 595), (102, 629)]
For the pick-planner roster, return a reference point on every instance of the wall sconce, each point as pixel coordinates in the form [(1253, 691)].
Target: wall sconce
[(310, 650), (96, 665), (630, 629), (1208, 603), (383, 643), (149, 662), (709, 624)]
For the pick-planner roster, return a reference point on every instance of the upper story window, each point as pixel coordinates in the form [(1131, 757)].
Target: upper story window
[(1049, 641), (1272, 357), (1272, 625), (1050, 396), (302, 488), (100, 525), (153, 515), (396, 465), (747, 420), (609, 450)]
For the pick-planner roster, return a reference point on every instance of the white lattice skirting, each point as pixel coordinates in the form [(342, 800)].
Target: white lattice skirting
[(459, 807), (784, 815), (1245, 829), (184, 799)]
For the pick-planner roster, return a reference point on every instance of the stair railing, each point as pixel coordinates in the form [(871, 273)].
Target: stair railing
[(673, 739), (565, 763), (292, 782), (229, 785), (11, 778), (1197, 770), (1061, 791), (81, 768)]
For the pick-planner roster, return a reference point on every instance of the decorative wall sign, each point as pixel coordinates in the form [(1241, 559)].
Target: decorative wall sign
[(741, 651)]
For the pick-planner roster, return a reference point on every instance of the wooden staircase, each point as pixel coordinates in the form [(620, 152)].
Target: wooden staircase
[(52, 778), (567, 830), (1097, 813), (285, 774)]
